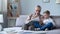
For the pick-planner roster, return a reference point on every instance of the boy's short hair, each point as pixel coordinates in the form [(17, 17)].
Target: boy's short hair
[(47, 12)]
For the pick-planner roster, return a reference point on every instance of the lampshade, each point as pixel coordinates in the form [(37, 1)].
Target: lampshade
[(1, 18)]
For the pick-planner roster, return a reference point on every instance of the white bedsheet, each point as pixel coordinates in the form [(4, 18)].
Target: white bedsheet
[(17, 30)]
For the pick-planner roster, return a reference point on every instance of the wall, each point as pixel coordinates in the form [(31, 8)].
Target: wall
[(29, 5)]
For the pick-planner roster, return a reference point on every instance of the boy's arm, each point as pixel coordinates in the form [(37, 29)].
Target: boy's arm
[(53, 22)]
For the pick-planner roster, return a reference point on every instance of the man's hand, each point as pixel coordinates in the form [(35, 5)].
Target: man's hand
[(29, 17)]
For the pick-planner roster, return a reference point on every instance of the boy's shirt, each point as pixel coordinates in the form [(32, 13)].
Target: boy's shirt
[(49, 20)]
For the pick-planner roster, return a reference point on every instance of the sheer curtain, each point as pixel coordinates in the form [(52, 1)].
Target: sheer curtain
[(0, 5), (3, 9), (3, 5)]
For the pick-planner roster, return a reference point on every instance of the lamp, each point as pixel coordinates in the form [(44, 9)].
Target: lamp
[(1, 21), (1, 18)]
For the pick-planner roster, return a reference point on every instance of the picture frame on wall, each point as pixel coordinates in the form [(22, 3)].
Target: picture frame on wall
[(46, 1), (58, 1)]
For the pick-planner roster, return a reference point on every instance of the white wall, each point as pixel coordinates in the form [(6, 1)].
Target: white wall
[(29, 5)]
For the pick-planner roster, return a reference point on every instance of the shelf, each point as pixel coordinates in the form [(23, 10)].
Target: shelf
[(12, 17)]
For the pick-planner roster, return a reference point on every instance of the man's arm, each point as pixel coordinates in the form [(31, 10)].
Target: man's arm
[(29, 17)]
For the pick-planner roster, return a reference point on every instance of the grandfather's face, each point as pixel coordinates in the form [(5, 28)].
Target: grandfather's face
[(37, 10)]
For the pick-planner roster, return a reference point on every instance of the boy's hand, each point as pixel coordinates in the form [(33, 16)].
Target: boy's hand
[(41, 20)]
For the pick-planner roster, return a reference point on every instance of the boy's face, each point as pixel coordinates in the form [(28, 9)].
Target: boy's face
[(46, 15)]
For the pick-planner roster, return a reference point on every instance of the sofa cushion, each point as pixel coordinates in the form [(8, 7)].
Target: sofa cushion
[(20, 21), (57, 21)]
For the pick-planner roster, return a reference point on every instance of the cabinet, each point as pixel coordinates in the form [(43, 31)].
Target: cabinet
[(11, 21)]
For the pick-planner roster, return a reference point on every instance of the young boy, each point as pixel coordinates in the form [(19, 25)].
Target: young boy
[(48, 22)]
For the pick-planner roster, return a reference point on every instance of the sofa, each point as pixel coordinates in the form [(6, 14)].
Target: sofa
[(21, 21)]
